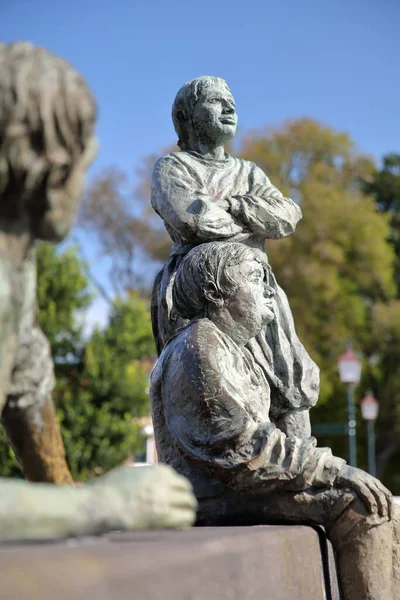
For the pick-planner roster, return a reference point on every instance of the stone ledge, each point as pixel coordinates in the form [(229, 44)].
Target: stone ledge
[(225, 563)]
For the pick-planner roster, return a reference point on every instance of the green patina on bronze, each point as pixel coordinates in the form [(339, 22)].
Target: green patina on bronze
[(232, 389), (47, 120)]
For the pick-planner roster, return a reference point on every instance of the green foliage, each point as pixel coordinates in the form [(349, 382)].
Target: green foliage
[(101, 382), (62, 291), (101, 397), (337, 270), (384, 186)]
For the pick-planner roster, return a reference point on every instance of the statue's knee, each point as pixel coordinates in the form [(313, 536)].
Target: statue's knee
[(354, 523), (349, 518)]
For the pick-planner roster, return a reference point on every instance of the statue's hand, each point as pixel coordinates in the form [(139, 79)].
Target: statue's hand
[(371, 491), (145, 498)]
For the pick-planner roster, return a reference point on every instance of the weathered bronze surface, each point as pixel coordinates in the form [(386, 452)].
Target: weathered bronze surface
[(233, 386), (47, 120)]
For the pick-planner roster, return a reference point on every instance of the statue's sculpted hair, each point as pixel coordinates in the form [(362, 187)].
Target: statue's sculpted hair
[(47, 117), (185, 101), (204, 265)]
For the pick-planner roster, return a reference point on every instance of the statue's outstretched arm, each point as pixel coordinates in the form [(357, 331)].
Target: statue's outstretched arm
[(126, 498)]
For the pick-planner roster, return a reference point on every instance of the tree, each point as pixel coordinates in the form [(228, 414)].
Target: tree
[(383, 184), (101, 382), (101, 397), (62, 293), (125, 227), (338, 267)]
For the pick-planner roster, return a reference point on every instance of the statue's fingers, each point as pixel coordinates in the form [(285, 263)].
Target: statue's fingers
[(367, 497), (181, 483), (178, 518), (183, 501), (381, 500), (387, 495)]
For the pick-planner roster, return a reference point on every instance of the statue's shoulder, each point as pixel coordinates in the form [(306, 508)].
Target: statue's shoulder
[(172, 160), (195, 342), (243, 165), (173, 165)]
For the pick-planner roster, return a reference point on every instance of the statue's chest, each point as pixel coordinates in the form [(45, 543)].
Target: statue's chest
[(221, 183), (248, 380)]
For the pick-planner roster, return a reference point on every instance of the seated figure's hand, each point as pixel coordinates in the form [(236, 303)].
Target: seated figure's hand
[(371, 491), (144, 498)]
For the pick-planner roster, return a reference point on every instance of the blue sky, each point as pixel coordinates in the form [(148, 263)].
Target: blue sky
[(335, 61)]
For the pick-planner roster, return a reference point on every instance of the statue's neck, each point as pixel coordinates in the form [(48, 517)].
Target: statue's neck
[(16, 239), (225, 323), (209, 151)]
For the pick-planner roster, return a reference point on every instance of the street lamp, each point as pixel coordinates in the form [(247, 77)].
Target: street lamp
[(369, 410), (350, 373)]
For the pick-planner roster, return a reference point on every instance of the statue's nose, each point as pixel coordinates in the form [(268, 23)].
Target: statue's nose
[(268, 291)]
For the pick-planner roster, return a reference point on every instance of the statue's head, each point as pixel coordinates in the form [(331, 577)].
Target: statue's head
[(224, 277), (204, 109), (47, 120)]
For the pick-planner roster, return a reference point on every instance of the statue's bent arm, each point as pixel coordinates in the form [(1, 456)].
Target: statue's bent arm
[(214, 428), (190, 211), (264, 210)]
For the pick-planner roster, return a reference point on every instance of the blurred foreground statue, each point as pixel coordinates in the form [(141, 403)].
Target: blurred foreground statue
[(47, 120), (124, 499), (233, 385)]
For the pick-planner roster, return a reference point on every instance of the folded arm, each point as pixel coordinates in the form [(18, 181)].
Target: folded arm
[(185, 206), (264, 210)]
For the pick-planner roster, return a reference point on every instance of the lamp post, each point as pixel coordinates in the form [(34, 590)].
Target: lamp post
[(350, 372), (369, 410)]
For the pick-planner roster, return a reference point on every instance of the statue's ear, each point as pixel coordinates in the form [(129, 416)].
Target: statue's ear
[(180, 115), (213, 295)]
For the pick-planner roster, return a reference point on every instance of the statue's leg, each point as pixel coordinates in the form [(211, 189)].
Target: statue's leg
[(29, 416), (364, 544), (365, 560)]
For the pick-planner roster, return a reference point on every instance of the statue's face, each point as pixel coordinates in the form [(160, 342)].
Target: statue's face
[(251, 303), (214, 118), (54, 221)]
